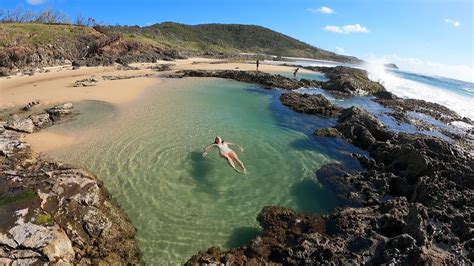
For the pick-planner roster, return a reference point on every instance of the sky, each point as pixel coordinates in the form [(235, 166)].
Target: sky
[(425, 36)]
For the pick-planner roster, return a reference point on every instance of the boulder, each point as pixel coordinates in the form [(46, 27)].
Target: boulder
[(41, 120), (348, 80), (60, 110), (16, 123)]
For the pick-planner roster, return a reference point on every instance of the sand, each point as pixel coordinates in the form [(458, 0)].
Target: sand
[(56, 86)]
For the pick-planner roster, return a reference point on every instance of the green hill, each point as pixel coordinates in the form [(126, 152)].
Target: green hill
[(35, 44), (229, 38)]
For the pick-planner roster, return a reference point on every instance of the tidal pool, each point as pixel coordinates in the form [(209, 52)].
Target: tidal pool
[(148, 153)]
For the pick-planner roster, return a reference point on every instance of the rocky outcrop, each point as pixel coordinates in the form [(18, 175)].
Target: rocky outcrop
[(82, 47), (412, 205), (348, 80), (262, 78), (310, 104), (59, 111), (161, 67), (437, 111), (55, 213)]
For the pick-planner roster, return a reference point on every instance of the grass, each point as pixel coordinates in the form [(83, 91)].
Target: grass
[(43, 218), (21, 197)]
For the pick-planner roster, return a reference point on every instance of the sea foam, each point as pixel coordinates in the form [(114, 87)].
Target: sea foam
[(406, 88)]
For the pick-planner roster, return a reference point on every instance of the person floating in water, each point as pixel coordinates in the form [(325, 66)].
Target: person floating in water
[(295, 74), (227, 153), (258, 63)]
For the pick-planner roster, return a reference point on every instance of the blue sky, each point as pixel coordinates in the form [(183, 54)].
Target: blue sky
[(427, 35)]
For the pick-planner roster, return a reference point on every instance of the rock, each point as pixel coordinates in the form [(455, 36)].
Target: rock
[(385, 95), (434, 110), (95, 223), (161, 67), (86, 82), (59, 249), (120, 77), (327, 132), (4, 72), (391, 65), (60, 110), (348, 80), (31, 236), (262, 78), (412, 205), (16, 123), (310, 104), (65, 215), (41, 120), (30, 105)]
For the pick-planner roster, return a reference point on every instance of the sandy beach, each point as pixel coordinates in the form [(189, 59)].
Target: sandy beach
[(56, 86)]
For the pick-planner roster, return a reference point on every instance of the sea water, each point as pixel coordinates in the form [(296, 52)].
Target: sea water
[(149, 155)]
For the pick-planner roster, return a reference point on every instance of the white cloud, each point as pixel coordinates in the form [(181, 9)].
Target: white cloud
[(35, 2), (340, 50), (455, 23), (322, 10), (352, 28), (336, 29)]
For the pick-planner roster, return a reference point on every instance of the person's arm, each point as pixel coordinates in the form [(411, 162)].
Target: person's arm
[(240, 147), (207, 149)]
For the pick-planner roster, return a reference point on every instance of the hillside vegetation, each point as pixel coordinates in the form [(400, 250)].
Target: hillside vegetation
[(229, 38), (36, 44)]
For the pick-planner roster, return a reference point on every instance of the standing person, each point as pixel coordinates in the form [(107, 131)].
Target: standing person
[(227, 153), (296, 72), (258, 63)]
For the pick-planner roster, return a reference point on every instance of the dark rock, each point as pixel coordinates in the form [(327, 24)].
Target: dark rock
[(414, 205), (262, 78), (310, 104), (327, 132), (348, 80), (386, 95), (434, 110), (161, 67), (390, 65)]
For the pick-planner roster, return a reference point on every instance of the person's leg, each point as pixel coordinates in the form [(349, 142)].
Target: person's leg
[(232, 164), (239, 162)]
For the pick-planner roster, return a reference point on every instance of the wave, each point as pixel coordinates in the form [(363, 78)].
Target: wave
[(450, 95)]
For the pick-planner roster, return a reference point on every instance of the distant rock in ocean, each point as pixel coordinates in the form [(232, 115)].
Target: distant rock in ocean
[(391, 65)]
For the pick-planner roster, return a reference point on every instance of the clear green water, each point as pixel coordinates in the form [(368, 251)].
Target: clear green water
[(148, 153)]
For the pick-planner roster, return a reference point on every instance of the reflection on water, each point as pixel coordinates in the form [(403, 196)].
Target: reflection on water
[(148, 154)]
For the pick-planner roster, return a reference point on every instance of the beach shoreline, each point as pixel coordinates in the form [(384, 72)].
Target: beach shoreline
[(388, 172)]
